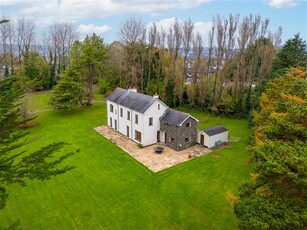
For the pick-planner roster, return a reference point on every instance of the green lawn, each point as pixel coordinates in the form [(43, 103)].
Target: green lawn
[(37, 100), (110, 190)]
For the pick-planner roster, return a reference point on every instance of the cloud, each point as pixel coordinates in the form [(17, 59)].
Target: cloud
[(73, 10), (203, 28), (47, 12), (282, 3), (89, 29), (164, 24)]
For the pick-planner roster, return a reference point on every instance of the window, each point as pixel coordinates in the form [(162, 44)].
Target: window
[(150, 121), (171, 139), (158, 106), (187, 139), (136, 119), (138, 136), (111, 108), (188, 124), (128, 115), (121, 112)]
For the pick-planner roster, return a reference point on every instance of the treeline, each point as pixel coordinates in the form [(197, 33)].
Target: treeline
[(171, 63), (38, 61), (240, 59)]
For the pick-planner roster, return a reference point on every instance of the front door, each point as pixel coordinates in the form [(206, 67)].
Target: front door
[(115, 124), (128, 131), (202, 139), (158, 136), (165, 137)]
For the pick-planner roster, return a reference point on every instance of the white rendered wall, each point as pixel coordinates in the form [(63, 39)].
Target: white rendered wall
[(148, 132), (113, 115), (209, 141), (149, 135)]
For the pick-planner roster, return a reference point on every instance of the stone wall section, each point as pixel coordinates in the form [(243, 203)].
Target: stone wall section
[(180, 137)]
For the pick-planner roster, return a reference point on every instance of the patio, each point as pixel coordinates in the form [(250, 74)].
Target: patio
[(147, 155)]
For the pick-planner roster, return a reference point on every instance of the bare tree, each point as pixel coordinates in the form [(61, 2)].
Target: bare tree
[(62, 36), (25, 36), (131, 32), (187, 37), (160, 43), (230, 29), (152, 39), (4, 41), (11, 41), (193, 89), (221, 27)]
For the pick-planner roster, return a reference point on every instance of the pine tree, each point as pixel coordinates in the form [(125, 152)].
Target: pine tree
[(292, 54), (68, 93), (16, 165)]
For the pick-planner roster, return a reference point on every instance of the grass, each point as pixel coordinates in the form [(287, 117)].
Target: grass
[(37, 100), (108, 189)]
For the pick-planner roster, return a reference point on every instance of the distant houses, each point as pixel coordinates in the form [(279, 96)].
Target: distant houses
[(147, 120)]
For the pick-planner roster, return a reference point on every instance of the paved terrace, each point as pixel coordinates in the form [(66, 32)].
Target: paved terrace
[(147, 156)]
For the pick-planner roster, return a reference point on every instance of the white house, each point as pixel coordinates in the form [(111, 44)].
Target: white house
[(213, 136), (135, 115)]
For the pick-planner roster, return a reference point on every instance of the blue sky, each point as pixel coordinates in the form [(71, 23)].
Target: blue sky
[(103, 17)]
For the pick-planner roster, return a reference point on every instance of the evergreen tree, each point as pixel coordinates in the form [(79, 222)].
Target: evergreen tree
[(15, 165), (276, 199), (67, 94), (87, 63), (93, 54), (292, 54)]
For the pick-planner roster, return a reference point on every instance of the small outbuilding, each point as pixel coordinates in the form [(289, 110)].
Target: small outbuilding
[(213, 136)]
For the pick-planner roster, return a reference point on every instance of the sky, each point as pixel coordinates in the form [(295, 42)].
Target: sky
[(104, 17)]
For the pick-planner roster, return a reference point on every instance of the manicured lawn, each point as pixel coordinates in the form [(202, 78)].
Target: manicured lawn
[(37, 100), (110, 190)]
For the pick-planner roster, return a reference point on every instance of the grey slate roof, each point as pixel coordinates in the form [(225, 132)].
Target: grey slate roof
[(132, 100), (173, 117), (215, 130)]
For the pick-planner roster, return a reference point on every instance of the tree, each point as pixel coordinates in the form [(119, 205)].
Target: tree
[(292, 54), (93, 55), (62, 36), (25, 36), (15, 165), (86, 65), (276, 199), (132, 32), (67, 94)]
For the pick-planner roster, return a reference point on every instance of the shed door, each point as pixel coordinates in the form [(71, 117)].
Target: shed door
[(202, 139)]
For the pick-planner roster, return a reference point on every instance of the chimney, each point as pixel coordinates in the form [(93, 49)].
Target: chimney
[(156, 96), (133, 90)]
